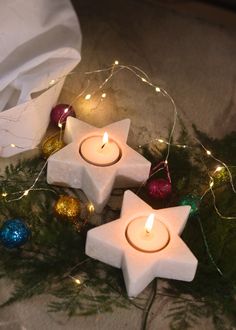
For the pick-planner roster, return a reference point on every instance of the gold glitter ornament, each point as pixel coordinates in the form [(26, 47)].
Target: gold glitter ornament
[(51, 145), (67, 208)]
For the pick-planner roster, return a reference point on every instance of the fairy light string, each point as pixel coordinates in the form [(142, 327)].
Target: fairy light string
[(25, 192), (114, 69), (140, 74), (208, 152)]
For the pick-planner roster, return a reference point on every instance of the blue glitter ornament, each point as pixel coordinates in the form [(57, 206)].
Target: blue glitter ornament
[(14, 233), (192, 201)]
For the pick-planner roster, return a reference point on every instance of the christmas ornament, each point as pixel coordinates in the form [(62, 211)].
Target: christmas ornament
[(14, 233), (60, 113), (192, 201), (51, 145), (159, 188), (67, 208)]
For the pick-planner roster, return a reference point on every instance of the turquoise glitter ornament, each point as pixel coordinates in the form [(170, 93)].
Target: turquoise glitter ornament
[(192, 201), (14, 233)]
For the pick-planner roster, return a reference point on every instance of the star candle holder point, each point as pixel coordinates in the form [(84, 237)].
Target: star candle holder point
[(97, 160), (145, 243)]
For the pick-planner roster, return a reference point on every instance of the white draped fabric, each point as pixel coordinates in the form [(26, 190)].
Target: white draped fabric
[(40, 41)]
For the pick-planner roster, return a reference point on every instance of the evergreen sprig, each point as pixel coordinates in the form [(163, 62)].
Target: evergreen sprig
[(55, 253)]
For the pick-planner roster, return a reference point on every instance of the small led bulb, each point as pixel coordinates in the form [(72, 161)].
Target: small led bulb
[(88, 97), (219, 168), (77, 281), (52, 82), (26, 192)]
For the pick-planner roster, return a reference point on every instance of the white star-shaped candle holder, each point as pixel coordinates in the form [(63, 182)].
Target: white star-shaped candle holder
[(144, 249), (97, 160)]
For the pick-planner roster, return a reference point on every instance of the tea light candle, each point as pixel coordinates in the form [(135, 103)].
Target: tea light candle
[(147, 234), (100, 150), (97, 160), (145, 243)]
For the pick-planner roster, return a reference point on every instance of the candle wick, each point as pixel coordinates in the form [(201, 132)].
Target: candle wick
[(103, 146)]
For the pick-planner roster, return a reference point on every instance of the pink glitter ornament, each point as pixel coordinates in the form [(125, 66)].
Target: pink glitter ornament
[(60, 113), (159, 188)]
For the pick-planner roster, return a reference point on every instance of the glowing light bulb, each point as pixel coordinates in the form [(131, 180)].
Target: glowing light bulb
[(88, 97), (211, 184), (66, 110), (116, 62), (77, 281), (52, 82), (59, 125), (12, 145), (208, 152), (26, 192), (218, 169), (104, 95), (160, 140), (149, 223), (144, 80), (158, 89), (4, 194)]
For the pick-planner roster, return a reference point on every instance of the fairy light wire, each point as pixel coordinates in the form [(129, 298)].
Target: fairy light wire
[(215, 206), (207, 247), (141, 75), (208, 152), (26, 191), (210, 189)]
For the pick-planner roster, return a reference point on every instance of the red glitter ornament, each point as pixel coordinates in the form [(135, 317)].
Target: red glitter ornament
[(159, 188), (60, 113)]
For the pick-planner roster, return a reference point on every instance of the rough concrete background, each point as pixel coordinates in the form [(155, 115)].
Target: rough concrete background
[(193, 59)]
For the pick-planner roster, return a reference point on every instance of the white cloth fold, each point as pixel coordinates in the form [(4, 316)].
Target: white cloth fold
[(40, 41)]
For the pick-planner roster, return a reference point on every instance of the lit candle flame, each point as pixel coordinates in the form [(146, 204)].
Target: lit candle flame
[(105, 139), (149, 223)]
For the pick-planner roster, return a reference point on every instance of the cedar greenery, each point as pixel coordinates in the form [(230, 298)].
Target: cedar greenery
[(55, 251)]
